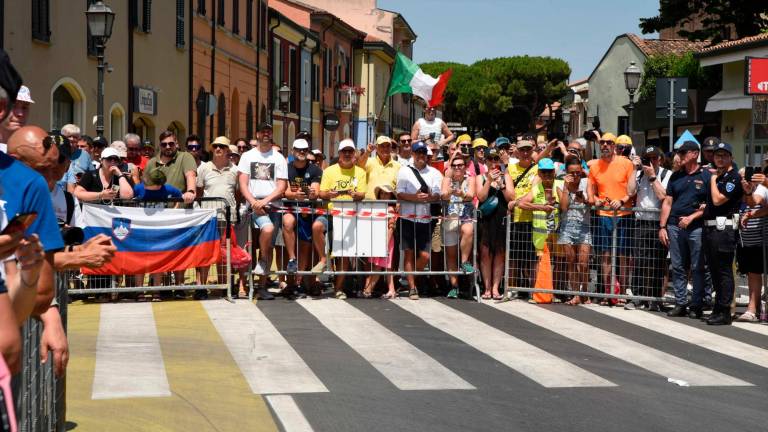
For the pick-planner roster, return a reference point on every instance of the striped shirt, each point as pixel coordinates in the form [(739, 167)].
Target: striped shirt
[(752, 233)]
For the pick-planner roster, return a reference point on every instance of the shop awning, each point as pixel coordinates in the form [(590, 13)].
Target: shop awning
[(728, 100)]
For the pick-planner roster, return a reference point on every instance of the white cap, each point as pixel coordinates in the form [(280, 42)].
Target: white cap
[(300, 143), (109, 152), (582, 142), (24, 95), (346, 143)]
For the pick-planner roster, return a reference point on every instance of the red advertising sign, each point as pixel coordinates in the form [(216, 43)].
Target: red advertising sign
[(756, 79)]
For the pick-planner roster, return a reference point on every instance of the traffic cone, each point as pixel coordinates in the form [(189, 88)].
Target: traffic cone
[(543, 277)]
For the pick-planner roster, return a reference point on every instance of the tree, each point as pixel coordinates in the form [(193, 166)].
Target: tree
[(671, 65), (747, 17), (502, 95)]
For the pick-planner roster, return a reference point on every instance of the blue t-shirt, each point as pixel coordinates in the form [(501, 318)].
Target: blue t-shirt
[(688, 192), (80, 162), (23, 190), (166, 191)]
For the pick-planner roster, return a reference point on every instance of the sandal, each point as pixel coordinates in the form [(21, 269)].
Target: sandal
[(747, 317), (389, 296), (576, 300), (485, 296), (497, 297), (366, 294), (604, 302), (413, 294)]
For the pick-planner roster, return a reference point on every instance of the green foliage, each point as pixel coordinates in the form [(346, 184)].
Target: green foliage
[(501, 95), (747, 17), (676, 66)]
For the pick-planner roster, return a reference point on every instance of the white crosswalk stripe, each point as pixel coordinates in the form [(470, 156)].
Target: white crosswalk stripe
[(266, 359), (753, 327), (407, 367), (620, 347), (702, 338), (533, 362), (289, 414), (129, 362)]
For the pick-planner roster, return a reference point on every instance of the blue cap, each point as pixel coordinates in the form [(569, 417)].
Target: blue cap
[(419, 146), (724, 146), (546, 164), (502, 141)]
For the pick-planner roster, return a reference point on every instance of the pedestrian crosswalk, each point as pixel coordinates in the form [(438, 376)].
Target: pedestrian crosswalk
[(129, 362)]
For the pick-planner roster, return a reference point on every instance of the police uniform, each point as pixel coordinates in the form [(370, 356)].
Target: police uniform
[(719, 239)]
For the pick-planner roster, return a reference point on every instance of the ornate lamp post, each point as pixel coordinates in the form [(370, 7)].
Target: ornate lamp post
[(100, 19), (284, 92), (631, 82)]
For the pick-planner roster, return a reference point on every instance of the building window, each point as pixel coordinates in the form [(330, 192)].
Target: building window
[(293, 79), (220, 12), (201, 10), (179, 23), (277, 73), (236, 16), (201, 103), (63, 108), (146, 16), (249, 20), (315, 82), (41, 20), (221, 115), (263, 24), (328, 67), (140, 20), (249, 121), (116, 123)]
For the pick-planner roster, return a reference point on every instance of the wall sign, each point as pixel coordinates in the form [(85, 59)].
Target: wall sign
[(146, 100), (756, 79)]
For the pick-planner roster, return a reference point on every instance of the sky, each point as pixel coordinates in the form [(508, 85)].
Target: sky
[(465, 31)]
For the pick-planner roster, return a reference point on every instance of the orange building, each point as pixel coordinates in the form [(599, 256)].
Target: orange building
[(229, 66)]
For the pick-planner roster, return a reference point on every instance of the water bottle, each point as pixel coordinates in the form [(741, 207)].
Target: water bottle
[(763, 311)]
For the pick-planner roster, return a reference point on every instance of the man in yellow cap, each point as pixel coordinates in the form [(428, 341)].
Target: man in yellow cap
[(624, 146), (523, 254), (380, 169)]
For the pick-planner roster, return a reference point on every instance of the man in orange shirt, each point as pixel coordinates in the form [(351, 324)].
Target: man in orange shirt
[(611, 185)]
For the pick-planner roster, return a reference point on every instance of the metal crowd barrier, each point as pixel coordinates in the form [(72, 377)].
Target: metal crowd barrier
[(356, 234), (217, 277), (628, 264), (40, 398)]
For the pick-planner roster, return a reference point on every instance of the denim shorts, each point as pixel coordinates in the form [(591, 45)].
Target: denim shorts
[(304, 226), (271, 218), (603, 239)]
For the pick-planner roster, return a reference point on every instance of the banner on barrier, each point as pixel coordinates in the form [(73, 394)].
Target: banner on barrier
[(154, 240), (355, 236)]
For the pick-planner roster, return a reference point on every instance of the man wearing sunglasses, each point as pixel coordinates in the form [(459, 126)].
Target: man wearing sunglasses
[(405, 155), (380, 169), (650, 254), (180, 168), (193, 147)]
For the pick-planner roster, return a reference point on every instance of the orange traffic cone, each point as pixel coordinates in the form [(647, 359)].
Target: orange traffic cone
[(543, 277)]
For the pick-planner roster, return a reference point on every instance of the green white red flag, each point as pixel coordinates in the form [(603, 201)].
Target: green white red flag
[(407, 77)]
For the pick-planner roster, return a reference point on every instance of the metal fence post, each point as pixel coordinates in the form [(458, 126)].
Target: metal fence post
[(614, 243)]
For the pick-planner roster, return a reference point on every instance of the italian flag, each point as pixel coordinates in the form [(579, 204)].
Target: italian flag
[(407, 77)]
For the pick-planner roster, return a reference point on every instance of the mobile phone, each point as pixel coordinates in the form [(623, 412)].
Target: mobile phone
[(116, 188), (749, 171), (645, 160), (20, 223)]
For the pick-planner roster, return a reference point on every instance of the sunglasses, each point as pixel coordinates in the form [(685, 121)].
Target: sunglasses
[(458, 165), (112, 159), (167, 144), (65, 151), (606, 142), (219, 146), (405, 141), (301, 150), (193, 147)]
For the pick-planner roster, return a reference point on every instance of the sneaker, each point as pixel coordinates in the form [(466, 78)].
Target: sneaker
[(654, 307), (319, 268), (413, 294), (467, 267), (453, 293), (341, 295), (263, 294), (630, 306), (292, 267), (258, 270)]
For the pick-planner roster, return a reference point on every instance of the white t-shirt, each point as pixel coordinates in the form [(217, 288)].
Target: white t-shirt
[(263, 169), (646, 197), (408, 183), (60, 208), (427, 127)]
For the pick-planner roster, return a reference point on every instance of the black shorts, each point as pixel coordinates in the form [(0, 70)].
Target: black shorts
[(749, 259), (521, 247), (415, 235)]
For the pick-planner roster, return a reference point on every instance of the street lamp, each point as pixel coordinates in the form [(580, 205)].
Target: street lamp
[(631, 82), (284, 92), (100, 19)]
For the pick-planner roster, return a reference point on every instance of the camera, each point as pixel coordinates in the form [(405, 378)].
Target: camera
[(645, 161), (71, 235)]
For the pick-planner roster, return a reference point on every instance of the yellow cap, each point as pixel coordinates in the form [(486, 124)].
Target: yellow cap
[(383, 139), (463, 138), (624, 140), (221, 140), (608, 137), (479, 142)]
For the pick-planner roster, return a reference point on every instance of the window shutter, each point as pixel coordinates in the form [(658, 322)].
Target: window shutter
[(236, 16), (249, 20), (201, 7), (41, 29), (146, 16), (179, 23), (220, 12)]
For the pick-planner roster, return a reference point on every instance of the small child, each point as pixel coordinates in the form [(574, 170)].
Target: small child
[(385, 192)]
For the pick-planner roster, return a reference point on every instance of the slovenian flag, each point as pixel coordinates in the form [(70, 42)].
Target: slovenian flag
[(407, 77), (154, 240)]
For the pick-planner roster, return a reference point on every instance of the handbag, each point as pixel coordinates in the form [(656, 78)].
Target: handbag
[(239, 257)]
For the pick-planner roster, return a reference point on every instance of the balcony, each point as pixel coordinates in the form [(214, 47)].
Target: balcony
[(346, 98)]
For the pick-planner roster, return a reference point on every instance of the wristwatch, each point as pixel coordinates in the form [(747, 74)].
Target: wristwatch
[(652, 179)]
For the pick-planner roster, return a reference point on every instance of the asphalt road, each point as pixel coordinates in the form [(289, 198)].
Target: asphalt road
[(431, 365)]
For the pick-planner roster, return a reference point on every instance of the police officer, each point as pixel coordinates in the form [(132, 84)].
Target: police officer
[(724, 193)]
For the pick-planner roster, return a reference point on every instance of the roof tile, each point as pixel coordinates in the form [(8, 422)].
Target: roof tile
[(761, 38), (653, 47)]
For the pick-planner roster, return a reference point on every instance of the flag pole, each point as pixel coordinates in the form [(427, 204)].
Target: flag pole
[(384, 102)]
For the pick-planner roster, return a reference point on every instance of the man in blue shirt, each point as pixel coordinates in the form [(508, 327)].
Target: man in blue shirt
[(23, 190)]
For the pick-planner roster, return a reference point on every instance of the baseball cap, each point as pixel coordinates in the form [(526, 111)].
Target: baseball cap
[(109, 152), (710, 142), (120, 148), (24, 95), (529, 137), (233, 149), (651, 150), (623, 140), (479, 142), (525, 144), (383, 139), (264, 125), (608, 137), (221, 140), (317, 152), (724, 146), (300, 143), (546, 164), (687, 146), (463, 138), (492, 154), (346, 143), (503, 142), (419, 146), (100, 141)]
